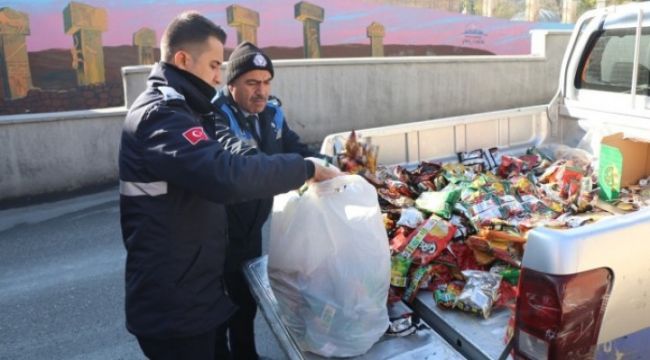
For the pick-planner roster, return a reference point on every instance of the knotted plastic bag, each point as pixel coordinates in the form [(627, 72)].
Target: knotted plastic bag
[(329, 266)]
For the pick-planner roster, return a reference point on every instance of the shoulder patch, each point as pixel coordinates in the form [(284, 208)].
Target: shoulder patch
[(195, 135), (169, 93)]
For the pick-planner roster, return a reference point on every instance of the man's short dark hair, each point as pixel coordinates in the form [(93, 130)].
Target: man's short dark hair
[(186, 30)]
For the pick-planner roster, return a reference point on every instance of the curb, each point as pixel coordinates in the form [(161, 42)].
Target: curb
[(33, 214)]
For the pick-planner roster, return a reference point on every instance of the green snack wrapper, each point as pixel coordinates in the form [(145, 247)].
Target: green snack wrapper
[(440, 203), (419, 276), (445, 295), (399, 270)]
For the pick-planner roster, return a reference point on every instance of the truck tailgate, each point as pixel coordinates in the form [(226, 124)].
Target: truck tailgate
[(471, 335)]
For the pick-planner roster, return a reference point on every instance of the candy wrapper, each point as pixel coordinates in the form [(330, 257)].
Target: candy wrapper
[(480, 292)]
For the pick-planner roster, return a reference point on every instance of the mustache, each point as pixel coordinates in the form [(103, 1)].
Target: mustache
[(256, 98)]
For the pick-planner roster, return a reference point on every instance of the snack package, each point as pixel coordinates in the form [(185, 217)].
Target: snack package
[(410, 217), (440, 203), (463, 227), (419, 276), (457, 173), (358, 157), (480, 292), (510, 166), (464, 257), (399, 269), (480, 160), (508, 273), (432, 237), (439, 274), (394, 197), (445, 295), (507, 295), (523, 184), (399, 240), (486, 250)]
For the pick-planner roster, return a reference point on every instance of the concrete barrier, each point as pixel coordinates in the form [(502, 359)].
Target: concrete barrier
[(323, 96), (56, 152)]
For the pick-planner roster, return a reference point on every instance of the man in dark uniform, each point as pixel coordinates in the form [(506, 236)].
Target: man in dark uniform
[(256, 119), (175, 178)]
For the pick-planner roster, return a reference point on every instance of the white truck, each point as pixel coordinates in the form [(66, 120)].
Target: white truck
[(581, 289)]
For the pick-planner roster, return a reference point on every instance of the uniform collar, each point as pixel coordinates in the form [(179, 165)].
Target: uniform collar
[(196, 91)]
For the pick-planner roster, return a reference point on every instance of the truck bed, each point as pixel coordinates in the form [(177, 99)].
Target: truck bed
[(627, 316), (513, 130)]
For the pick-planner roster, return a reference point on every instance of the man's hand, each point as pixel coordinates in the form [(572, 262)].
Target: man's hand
[(323, 172)]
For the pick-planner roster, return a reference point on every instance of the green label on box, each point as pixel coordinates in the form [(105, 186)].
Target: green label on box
[(609, 172)]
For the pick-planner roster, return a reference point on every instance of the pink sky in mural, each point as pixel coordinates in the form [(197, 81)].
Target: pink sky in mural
[(345, 23)]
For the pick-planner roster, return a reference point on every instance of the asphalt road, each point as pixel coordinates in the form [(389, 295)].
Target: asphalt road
[(62, 283)]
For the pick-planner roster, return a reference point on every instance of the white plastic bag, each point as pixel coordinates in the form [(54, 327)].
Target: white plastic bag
[(329, 266)]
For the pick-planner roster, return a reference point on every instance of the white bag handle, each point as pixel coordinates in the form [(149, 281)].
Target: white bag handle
[(335, 185)]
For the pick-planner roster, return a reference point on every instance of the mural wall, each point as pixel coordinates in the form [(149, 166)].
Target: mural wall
[(66, 55)]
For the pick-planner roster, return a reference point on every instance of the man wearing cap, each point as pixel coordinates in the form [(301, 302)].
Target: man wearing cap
[(257, 120)]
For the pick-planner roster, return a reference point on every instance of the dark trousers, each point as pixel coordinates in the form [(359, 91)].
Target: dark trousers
[(199, 347), (240, 327)]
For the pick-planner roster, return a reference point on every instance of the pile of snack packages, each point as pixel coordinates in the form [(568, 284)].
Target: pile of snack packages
[(459, 229)]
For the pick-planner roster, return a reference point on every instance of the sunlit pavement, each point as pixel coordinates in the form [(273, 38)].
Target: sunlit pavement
[(62, 283)]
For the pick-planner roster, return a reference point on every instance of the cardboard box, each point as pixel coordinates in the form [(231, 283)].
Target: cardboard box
[(622, 162)]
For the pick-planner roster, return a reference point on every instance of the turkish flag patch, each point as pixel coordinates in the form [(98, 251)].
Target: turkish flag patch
[(195, 135)]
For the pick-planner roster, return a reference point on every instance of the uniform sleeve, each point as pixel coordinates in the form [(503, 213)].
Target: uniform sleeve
[(230, 142), (177, 150)]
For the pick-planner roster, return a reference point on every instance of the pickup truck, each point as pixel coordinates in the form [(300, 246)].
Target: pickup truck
[(584, 292)]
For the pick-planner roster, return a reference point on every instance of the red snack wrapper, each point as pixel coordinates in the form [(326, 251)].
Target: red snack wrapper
[(510, 166), (507, 295), (465, 259), (434, 236), (400, 239)]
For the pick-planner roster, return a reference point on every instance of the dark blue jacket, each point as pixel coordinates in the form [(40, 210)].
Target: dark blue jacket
[(174, 181), (245, 219)]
